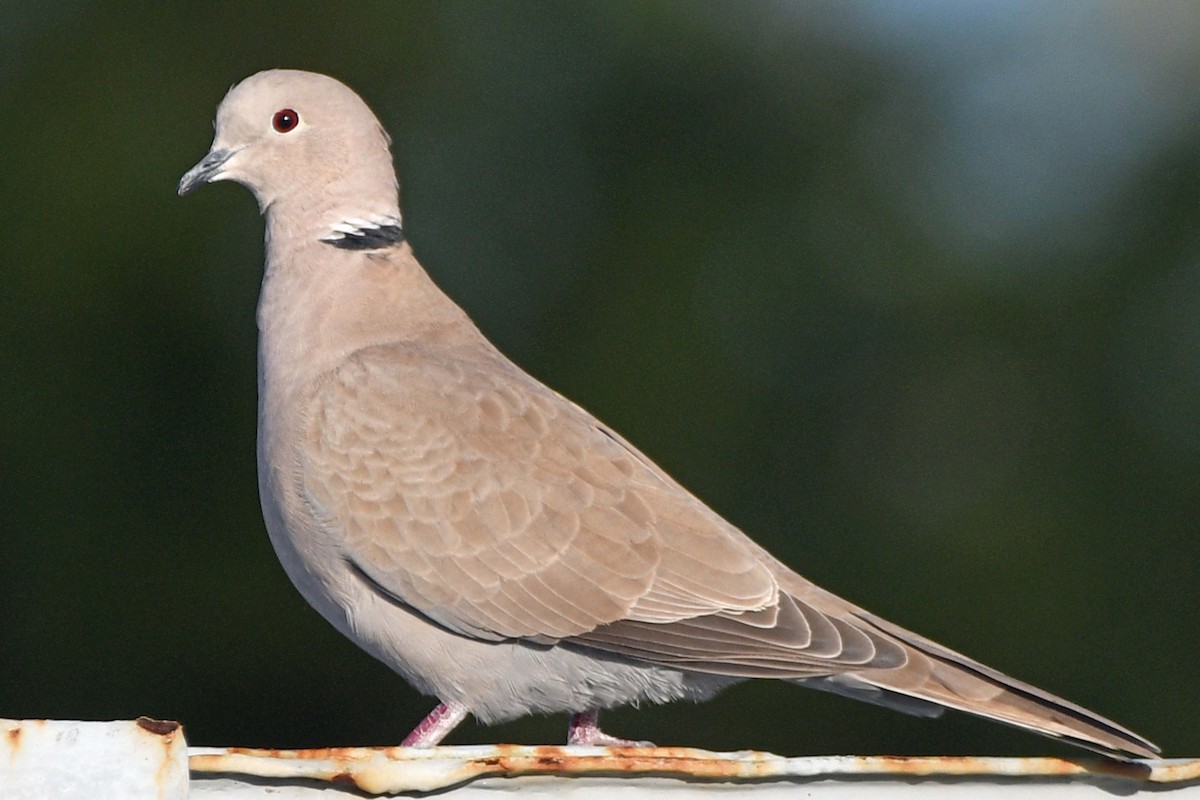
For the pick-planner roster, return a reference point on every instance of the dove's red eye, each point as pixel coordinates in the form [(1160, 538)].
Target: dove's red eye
[(285, 120)]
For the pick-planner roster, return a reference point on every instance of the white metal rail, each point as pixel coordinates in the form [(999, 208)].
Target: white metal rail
[(147, 758)]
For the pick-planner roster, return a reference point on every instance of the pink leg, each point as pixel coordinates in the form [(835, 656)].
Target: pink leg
[(436, 726), (584, 729)]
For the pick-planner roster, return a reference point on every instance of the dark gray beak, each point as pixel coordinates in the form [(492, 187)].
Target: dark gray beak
[(205, 171)]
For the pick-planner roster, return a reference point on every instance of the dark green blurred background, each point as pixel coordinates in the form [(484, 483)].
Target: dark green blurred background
[(910, 292)]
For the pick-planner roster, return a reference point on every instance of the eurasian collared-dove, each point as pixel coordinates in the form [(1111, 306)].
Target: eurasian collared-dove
[(482, 535)]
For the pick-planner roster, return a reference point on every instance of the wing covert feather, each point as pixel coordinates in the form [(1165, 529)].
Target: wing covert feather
[(477, 496)]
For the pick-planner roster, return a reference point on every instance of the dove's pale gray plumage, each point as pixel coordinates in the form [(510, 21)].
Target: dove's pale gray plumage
[(479, 533)]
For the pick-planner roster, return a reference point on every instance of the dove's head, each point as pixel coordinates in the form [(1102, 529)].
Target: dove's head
[(302, 140)]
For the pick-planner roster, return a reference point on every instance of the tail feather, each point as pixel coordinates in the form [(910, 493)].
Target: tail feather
[(940, 675)]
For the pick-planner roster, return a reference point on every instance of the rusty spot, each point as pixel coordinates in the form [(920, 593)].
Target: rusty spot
[(265, 752), (308, 754), (14, 737), (159, 727), (344, 778)]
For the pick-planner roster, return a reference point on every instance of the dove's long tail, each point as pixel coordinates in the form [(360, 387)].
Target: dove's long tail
[(934, 677)]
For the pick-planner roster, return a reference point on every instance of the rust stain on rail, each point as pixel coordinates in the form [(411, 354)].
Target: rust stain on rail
[(397, 769)]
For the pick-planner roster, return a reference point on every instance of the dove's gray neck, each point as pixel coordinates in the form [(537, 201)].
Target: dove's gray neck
[(356, 206), (322, 300)]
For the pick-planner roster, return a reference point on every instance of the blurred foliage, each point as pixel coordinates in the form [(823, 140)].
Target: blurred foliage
[(910, 292)]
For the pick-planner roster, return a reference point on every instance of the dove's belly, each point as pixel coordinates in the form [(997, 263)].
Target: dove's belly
[(502, 680)]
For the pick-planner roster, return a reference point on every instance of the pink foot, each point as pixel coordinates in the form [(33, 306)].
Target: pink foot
[(584, 729), (436, 726)]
